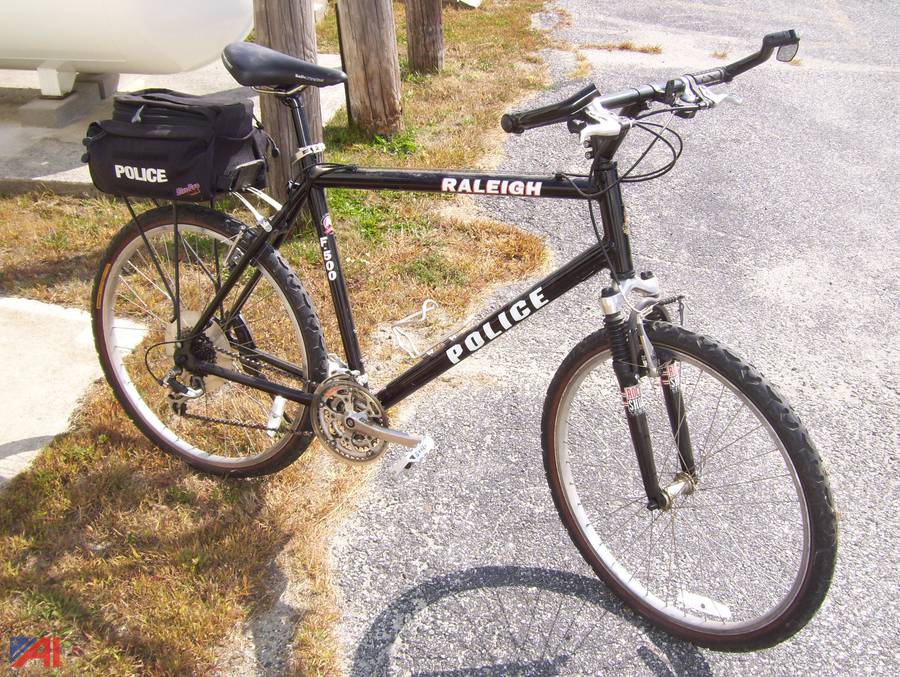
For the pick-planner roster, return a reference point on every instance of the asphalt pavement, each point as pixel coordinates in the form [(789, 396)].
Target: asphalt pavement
[(780, 225)]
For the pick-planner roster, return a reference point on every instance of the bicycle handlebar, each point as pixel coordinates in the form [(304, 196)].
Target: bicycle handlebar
[(562, 111), (517, 123)]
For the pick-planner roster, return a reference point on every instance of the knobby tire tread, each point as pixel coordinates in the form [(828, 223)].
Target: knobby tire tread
[(791, 431), (284, 277)]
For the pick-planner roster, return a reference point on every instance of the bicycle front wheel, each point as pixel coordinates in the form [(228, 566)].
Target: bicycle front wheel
[(742, 561), (152, 285)]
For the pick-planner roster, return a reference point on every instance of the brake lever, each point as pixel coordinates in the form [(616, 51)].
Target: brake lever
[(723, 97), (605, 123), (700, 95)]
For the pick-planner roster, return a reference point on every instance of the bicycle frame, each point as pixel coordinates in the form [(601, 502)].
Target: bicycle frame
[(612, 252), (458, 347), (310, 192)]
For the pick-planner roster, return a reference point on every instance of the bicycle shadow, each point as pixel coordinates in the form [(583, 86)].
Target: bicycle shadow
[(517, 620)]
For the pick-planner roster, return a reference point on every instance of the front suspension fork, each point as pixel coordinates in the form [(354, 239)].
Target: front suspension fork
[(626, 351)]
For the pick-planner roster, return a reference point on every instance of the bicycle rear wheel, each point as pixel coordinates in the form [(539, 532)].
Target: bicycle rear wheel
[(744, 560), (139, 304)]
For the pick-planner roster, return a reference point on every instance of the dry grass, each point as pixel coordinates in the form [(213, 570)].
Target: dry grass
[(146, 567), (719, 54), (582, 67), (50, 245), (623, 46)]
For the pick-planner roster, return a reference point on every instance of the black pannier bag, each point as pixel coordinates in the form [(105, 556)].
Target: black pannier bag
[(168, 145)]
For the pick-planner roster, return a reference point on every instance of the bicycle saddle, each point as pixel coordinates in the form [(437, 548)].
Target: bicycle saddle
[(256, 66)]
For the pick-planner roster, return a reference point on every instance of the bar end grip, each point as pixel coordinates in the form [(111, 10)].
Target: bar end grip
[(781, 38), (510, 124)]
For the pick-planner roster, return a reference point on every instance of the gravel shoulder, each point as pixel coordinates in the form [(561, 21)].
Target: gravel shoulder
[(777, 224)]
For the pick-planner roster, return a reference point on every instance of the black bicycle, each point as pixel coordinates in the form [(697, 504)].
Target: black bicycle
[(723, 532)]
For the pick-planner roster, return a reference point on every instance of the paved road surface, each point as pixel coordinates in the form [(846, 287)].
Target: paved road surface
[(780, 224)]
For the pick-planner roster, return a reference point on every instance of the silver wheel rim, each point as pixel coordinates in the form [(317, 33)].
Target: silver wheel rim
[(681, 611), (126, 384)]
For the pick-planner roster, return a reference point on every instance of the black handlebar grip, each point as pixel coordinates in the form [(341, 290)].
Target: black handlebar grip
[(547, 115), (510, 124), (780, 39), (711, 76)]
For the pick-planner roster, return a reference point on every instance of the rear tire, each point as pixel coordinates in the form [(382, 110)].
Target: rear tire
[(744, 561), (134, 327)]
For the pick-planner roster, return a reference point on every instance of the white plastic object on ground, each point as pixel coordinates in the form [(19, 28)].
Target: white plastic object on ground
[(402, 338)]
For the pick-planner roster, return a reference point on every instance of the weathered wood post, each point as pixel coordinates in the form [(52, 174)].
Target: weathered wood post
[(425, 35), (369, 43), (290, 27)]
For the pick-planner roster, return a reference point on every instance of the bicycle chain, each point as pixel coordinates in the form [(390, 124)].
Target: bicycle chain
[(240, 424)]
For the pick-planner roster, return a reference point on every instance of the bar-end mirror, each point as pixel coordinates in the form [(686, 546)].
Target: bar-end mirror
[(787, 52)]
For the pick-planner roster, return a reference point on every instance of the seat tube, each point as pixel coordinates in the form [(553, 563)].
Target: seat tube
[(318, 211)]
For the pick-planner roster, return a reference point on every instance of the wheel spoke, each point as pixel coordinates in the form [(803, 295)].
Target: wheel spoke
[(165, 266), (710, 560)]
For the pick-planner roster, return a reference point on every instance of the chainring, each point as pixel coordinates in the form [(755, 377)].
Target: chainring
[(336, 398)]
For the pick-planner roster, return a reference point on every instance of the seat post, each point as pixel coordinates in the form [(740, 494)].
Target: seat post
[(301, 127), (299, 118)]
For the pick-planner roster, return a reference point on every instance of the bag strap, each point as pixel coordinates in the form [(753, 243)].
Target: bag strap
[(143, 100)]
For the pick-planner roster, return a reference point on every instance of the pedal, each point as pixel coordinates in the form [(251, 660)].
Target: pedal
[(414, 456)]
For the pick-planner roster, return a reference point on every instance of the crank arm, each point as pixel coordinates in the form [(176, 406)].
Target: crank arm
[(360, 422)]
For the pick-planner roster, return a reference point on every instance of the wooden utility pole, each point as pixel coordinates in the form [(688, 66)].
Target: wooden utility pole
[(290, 27), (425, 35), (369, 46)]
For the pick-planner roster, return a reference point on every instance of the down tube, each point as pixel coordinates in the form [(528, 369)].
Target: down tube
[(460, 346)]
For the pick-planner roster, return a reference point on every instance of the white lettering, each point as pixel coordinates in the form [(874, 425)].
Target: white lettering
[(323, 242), (454, 352), (489, 331), (490, 186), (520, 310), (537, 298), (144, 174), (474, 341)]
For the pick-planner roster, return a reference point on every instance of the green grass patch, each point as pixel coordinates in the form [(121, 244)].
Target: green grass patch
[(434, 271)]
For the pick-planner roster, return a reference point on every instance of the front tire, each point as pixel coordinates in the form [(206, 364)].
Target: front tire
[(744, 561)]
